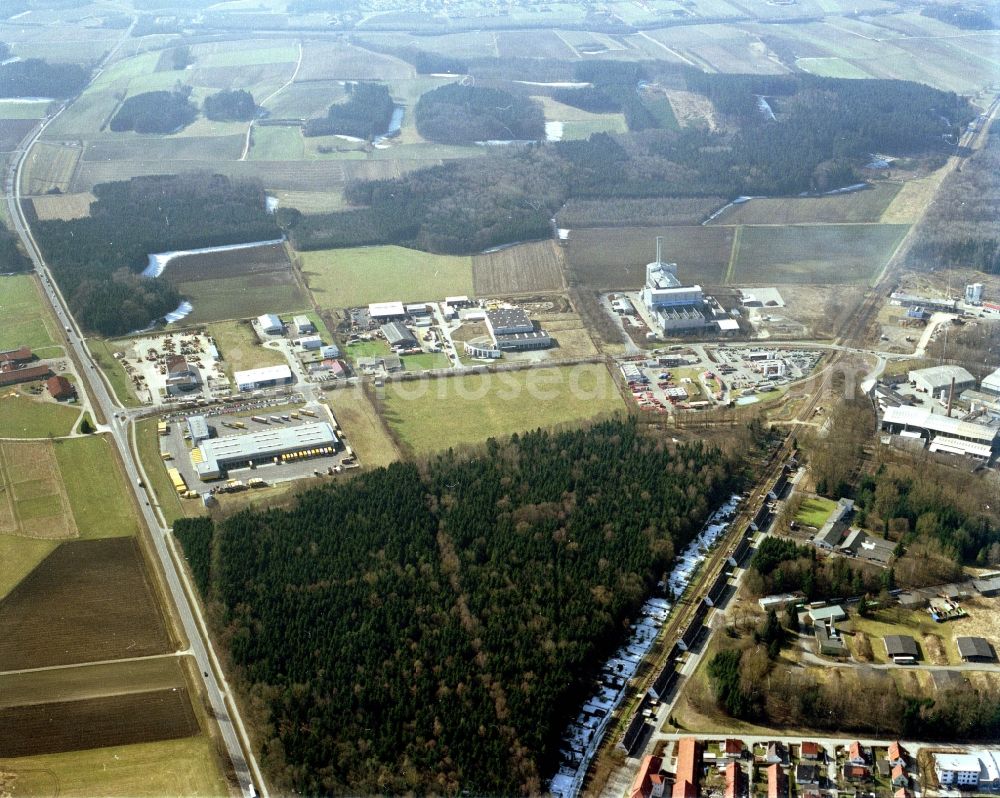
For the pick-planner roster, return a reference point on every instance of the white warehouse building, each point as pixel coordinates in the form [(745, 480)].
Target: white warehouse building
[(270, 324), (266, 377), (214, 457)]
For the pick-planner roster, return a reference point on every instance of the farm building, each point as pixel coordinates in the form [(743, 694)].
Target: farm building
[(937, 379), (60, 388), (398, 336), (303, 325), (457, 302), (266, 377), (198, 429), (991, 383), (513, 331), (20, 355), (974, 649), (13, 376), (900, 647), (270, 324), (944, 433), (215, 456), (382, 312)]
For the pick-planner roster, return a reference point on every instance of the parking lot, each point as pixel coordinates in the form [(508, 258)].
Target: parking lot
[(248, 417)]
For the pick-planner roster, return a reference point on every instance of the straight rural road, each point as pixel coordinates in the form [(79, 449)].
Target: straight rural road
[(118, 424)]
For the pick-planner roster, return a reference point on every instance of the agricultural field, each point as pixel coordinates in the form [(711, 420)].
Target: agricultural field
[(343, 278), (20, 556), (274, 143), (187, 766), (858, 206), (51, 166), (305, 100), (813, 253), (172, 148), (831, 67), (25, 417), (89, 600), (62, 206), (97, 488), (579, 124), (26, 319), (519, 269), (325, 60), (616, 257), (23, 112), (430, 415), (33, 501)]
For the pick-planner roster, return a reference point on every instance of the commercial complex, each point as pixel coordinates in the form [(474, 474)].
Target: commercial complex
[(213, 457), (266, 377), (513, 331), (942, 433)]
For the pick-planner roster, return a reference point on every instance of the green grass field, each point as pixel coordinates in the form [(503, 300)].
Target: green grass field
[(174, 767), (272, 143), (19, 556), (367, 349), (19, 109), (240, 349), (242, 298), (426, 360), (23, 417), (832, 67), (814, 253), (343, 278), (103, 352), (26, 320), (249, 56), (430, 415), (814, 511), (96, 488), (859, 206)]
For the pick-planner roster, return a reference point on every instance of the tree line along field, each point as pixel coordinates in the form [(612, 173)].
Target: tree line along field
[(431, 415), (343, 278)]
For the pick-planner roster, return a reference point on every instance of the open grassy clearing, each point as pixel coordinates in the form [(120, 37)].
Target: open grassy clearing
[(578, 120), (62, 206), (19, 109), (103, 352), (532, 44), (918, 624), (430, 415), (616, 257), (312, 201), (24, 417), (26, 319), (814, 253), (524, 268), (273, 143), (859, 206), (223, 54), (242, 297), (362, 427), (240, 348), (326, 60), (339, 278), (147, 770), (50, 166), (914, 196), (89, 600), (20, 556), (167, 148), (96, 486), (305, 100), (171, 505), (720, 47), (814, 511), (58, 726)]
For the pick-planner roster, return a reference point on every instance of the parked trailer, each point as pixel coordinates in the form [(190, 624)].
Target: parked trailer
[(259, 419)]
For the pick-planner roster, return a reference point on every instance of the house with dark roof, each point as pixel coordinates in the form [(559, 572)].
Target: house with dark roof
[(732, 749), (856, 772), (899, 777), (20, 355), (901, 647), (974, 649), (806, 773)]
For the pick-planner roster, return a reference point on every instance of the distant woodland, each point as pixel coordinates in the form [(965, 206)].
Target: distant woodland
[(823, 130), (96, 259), (365, 114), (155, 112), (961, 229), (11, 257), (457, 114), (36, 78), (231, 106), (463, 605), (967, 15)]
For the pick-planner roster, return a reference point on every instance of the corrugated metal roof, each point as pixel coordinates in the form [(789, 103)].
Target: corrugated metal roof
[(935, 422)]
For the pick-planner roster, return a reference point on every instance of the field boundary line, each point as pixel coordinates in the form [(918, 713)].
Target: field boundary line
[(271, 96), (733, 254)]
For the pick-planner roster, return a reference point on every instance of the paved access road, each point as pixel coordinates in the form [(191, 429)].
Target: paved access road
[(119, 424)]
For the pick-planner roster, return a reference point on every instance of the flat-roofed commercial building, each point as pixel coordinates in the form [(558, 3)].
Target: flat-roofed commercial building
[(303, 325), (266, 377), (214, 457), (918, 422), (513, 331), (381, 312), (270, 324), (198, 429)]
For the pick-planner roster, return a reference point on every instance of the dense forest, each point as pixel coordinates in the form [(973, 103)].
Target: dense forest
[(155, 112), (97, 259), (960, 228), (459, 114), (431, 629), (36, 78), (236, 105), (822, 131), (966, 16), (11, 257), (365, 114)]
